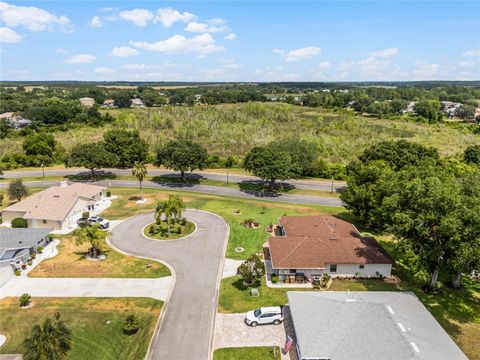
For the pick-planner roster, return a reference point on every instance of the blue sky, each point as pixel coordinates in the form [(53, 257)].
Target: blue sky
[(240, 40)]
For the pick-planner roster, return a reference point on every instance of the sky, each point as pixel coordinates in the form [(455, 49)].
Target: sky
[(240, 40)]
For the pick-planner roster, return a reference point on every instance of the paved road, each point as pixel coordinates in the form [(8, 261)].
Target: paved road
[(158, 288), (186, 331), (300, 184), (207, 189)]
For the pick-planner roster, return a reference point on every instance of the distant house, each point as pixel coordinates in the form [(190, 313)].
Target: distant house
[(410, 107), (16, 121), (136, 102), (58, 207), (367, 325), (109, 103), (16, 245), (450, 107), (313, 245), (87, 101)]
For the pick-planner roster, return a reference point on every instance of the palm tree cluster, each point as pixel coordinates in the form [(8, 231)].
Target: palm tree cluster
[(50, 341), (95, 236), (171, 209)]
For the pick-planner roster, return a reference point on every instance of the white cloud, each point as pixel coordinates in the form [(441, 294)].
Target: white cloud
[(198, 27), (147, 66), (168, 16), (139, 17), (9, 36), (324, 65), (231, 36), (33, 18), (472, 53), (80, 59), (124, 51), (299, 54), (384, 53), (61, 51), (231, 64), (425, 71), (103, 71), (179, 44), (96, 22), (107, 9)]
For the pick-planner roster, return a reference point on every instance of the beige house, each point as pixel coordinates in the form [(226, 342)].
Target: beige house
[(58, 207), (87, 101)]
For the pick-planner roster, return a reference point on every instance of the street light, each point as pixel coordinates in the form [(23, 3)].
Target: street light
[(43, 170)]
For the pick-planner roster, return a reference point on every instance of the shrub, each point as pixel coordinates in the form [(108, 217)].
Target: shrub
[(109, 193), (85, 214), (274, 279), (17, 272), (19, 223), (24, 300), (40, 249), (33, 255), (179, 230), (184, 221), (131, 325), (152, 229)]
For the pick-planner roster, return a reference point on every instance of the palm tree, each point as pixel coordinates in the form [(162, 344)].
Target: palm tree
[(94, 235), (51, 341), (139, 170), (164, 207), (177, 205)]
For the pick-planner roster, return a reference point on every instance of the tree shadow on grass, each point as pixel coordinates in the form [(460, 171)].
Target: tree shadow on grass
[(261, 188), (87, 176), (175, 181), (239, 285)]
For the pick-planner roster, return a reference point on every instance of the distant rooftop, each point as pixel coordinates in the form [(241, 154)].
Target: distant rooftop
[(368, 325)]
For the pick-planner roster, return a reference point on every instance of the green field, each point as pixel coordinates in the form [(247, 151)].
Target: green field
[(250, 353), (234, 129), (96, 325)]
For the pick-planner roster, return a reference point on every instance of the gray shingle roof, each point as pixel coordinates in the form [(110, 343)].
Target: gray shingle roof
[(20, 238), (373, 325)]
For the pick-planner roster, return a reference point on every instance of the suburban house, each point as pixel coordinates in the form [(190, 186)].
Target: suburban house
[(16, 245), (109, 103), (309, 246), (16, 121), (136, 102), (87, 101), (58, 207), (367, 325)]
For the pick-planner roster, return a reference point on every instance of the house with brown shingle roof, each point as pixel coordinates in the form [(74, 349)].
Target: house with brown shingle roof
[(314, 245), (58, 207)]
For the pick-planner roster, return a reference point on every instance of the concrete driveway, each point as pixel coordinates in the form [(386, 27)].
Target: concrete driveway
[(158, 288), (186, 330)]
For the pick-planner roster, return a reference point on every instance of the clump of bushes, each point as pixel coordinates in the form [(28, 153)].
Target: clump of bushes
[(24, 300), (17, 272), (40, 249), (19, 223), (109, 193), (274, 278), (131, 325), (33, 255)]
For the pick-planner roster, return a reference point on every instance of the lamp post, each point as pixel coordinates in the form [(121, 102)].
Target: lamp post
[(43, 170)]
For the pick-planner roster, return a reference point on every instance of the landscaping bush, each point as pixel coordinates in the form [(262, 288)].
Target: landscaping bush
[(179, 230), (184, 221), (33, 255), (19, 223), (40, 249), (109, 193), (274, 279), (17, 272), (130, 325), (85, 214), (24, 300)]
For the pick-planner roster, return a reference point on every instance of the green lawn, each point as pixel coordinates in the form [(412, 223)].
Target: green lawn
[(263, 212), (70, 262), (186, 230), (96, 325), (247, 353)]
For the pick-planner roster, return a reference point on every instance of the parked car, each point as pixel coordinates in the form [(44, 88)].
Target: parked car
[(264, 315), (104, 224)]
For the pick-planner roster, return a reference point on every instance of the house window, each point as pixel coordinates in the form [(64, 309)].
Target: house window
[(44, 221), (362, 266), (292, 271), (333, 268)]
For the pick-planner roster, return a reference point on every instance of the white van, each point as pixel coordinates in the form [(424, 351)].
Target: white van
[(264, 315)]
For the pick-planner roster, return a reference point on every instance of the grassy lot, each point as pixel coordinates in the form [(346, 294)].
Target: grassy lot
[(96, 325), (233, 129), (70, 262), (187, 229), (251, 240), (244, 353)]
